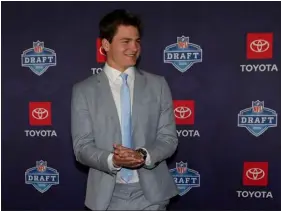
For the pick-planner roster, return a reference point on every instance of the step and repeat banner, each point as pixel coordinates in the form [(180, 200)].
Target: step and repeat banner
[(222, 62)]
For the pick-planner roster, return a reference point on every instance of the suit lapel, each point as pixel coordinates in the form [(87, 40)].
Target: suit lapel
[(139, 87), (108, 104)]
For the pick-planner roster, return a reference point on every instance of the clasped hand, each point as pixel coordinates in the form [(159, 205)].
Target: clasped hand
[(126, 157)]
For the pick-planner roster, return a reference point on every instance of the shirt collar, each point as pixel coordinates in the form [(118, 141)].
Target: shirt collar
[(113, 73)]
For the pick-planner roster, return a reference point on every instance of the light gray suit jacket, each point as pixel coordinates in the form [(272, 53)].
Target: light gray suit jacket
[(95, 127)]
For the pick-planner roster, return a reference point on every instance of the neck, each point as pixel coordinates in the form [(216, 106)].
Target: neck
[(115, 66)]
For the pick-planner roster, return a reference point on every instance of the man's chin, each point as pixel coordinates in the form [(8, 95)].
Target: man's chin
[(130, 64)]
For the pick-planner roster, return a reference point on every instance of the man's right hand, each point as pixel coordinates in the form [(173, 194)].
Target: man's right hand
[(127, 158)]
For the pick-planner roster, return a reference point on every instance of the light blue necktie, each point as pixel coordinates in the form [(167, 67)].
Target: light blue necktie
[(126, 174)]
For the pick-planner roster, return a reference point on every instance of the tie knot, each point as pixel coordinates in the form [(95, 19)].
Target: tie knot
[(124, 77)]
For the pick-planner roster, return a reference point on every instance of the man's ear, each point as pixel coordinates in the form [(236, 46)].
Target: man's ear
[(105, 44)]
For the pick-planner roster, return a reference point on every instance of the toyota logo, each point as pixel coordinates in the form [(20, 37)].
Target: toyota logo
[(102, 51), (255, 174), (40, 113), (182, 112), (259, 45)]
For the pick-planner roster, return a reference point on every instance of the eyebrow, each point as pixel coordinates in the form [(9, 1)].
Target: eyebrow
[(129, 39)]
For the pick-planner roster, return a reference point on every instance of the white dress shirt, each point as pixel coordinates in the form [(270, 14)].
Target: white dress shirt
[(115, 82)]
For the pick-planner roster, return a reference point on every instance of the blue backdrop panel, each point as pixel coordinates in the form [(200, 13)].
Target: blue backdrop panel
[(222, 62)]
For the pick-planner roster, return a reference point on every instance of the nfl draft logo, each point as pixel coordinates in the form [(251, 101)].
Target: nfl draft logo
[(183, 54), (38, 58), (257, 119), (185, 178), (41, 176)]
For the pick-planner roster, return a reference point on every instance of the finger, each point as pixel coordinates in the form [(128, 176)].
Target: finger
[(134, 161), (134, 154), (129, 164), (117, 158), (126, 152), (122, 148), (117, 146), (125, 158), (121, 153), (131, 156), (116, 151), (134, 164), (129, 160), (126, 161)]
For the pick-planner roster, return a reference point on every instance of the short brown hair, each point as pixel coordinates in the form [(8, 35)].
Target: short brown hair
[(109, 23)]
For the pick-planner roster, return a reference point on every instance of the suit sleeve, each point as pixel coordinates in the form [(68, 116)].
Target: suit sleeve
[(85, 149), (166, 139)]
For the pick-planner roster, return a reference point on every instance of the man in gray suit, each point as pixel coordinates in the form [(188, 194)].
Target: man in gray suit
[(123, 125)]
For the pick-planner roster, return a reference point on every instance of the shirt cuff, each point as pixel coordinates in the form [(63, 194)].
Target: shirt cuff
[(148, 159), (110, 163)]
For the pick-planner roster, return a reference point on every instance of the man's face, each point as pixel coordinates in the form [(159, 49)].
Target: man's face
[(124, 49)]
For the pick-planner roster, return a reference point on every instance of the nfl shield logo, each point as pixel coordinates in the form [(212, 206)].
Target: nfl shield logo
[(258, 106), (182, 42), (41, 166), (257, 118), (181, 167), (41, 177), (38, 47), (38, 58), (185, 178), (182, 54)]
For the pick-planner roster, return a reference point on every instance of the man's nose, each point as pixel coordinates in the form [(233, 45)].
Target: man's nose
[(134, 46)]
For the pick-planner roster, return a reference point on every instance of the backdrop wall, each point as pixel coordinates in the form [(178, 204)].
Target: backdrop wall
[(222, 62)]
